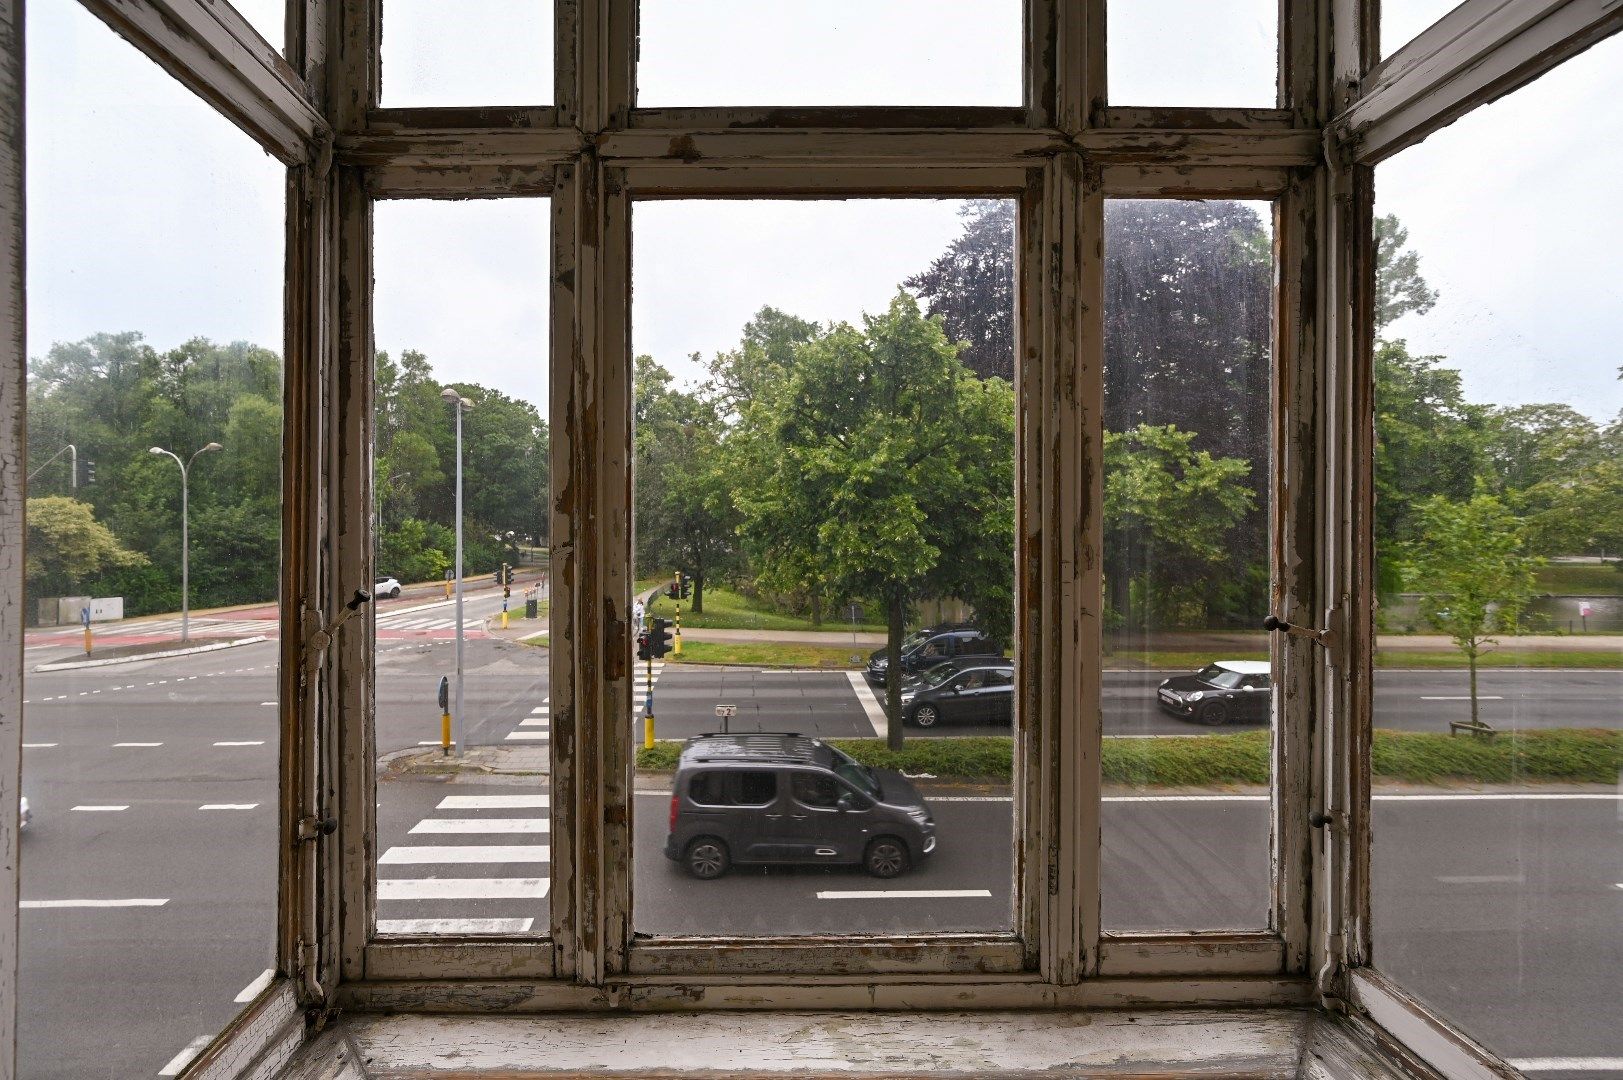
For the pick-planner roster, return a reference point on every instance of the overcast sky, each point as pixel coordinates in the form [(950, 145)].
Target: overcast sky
[(148, 212)]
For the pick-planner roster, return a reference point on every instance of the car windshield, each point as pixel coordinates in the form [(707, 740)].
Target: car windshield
[(937, 675), (856, 775), (1219, 676), (917, 637)]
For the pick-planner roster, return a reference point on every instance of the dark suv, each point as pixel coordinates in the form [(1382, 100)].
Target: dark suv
[(975, 690), (929, 647), (788, 798)]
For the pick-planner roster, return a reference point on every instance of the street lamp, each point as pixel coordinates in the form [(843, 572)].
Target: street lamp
[(453, 397), (185, 539)]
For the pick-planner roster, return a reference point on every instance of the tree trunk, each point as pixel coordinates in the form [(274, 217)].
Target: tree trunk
[(1470, 656), (893, 671), (698, 590), (817, 608)]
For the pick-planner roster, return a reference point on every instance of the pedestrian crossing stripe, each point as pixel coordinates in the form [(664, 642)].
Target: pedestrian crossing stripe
[(532, 888), (419, 855), (475, 826), (455, 926), (526, 736), (534, 721), (493, 802)]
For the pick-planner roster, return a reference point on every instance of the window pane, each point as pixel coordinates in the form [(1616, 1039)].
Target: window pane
[(461, 291), (269, 17), (154, 263), (1188, 701), (1498, 856), (824, 465), (1401, 20), (838, 52), (473, 52), (1194, 53)]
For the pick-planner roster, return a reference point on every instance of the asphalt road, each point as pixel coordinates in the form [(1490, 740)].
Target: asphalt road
[(1504, 912)]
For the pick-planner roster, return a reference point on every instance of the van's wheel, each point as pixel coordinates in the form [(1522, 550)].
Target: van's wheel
[(886, 857), (707, 858), (926, 716), (1216, 714)]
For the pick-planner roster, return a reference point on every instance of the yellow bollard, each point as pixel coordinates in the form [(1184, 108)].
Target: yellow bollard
[(87, 641), (504, 618), (648, 732), (448, 588), (676, 637), (445, 733)]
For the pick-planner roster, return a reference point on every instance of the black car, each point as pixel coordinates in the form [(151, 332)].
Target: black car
[(786, 798), (967, 691), (929, 647), (1220, 693)]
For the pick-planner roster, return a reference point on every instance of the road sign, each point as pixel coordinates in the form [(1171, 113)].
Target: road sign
[(84, 617), (853, 612), (1584, 609), (726, 712), (445, 693)]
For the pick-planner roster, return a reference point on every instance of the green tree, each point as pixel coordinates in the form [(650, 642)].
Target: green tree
[(68, 547), (877, 465), (1467, 564), (1399, 286)]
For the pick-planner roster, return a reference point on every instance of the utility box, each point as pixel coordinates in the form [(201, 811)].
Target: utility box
[(532, 607), (106, 609), (68, 609)]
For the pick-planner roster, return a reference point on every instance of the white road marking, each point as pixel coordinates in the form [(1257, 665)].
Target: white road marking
[(228, 806), (539, 710), (471, 853), (243, 742), (39, 745), (1568, 1064), (1465, 697), (1482, 879), (117, 744), (494, 802), (1506, 796), (462, 888), (135, 902), (430, 742), (1186, 798), (905, 894), (526, 736), (108, 809), (876, 715), (184, 1058), (252, 990), (482, 825), (267, 703), (454, 926), (534, 721)]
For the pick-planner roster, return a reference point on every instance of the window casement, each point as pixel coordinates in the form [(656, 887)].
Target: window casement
[(594, 155)]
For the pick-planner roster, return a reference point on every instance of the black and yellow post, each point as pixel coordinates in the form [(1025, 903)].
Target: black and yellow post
[(676, 645), (84, 615), (445, 715), (648, 713), (507, 591)]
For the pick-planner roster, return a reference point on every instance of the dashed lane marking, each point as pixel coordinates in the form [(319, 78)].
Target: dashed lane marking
[(468, 826), (228, 806), (455, 926), (470, 853), (132, 902), (906, 894), (135, 744), (1466, 697), (106, 809), (39, 745), (184, 1058), (462, 888), (493, 802), (242, 742), (253, 989)]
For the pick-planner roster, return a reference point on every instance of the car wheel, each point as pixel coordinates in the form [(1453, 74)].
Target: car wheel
[(1216, 714), (926, 716), (707, 858), (886, 857), (395, 594)]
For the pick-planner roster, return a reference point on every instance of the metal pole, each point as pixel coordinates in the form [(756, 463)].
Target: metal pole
[(457, 726), (185, 558)]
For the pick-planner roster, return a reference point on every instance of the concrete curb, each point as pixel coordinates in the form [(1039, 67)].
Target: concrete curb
[(70, 665)]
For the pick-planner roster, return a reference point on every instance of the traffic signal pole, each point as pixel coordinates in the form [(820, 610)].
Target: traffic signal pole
[(648, 709)]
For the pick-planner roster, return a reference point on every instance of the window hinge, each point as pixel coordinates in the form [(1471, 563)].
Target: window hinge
[(311, 828), (320, 634), (308, 974)]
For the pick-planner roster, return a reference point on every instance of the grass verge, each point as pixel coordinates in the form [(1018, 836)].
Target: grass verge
[(1568, 755), (725, 609), (1567, 579), (765, 654), (1439, 659)]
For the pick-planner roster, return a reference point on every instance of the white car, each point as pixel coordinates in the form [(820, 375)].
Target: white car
[(386, 586), (25, 816)]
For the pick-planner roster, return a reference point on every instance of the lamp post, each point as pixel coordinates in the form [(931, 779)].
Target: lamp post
[(453, 397), (185, 529)]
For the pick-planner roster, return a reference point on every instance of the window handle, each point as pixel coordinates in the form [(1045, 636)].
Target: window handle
[(772, 817), (798, 817)]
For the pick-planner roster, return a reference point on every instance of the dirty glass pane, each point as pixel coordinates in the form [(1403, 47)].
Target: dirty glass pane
[(148, 857), (824, 463), (464, 830), (473, 52), (837, 52), (269, 17), (1193, 53), (1188, 699), (1498, 845), (1401, 20)]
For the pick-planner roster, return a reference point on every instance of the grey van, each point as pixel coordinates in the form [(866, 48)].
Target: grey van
[(786, 798)]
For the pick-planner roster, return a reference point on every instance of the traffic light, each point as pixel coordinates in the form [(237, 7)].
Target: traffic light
[(642, 647), (659, 638), (87, 473), (687, 588), (498, 575), (673, 591), (507, 574)]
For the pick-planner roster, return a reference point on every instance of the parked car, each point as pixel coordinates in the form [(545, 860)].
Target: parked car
[(929, 647), (386, 586), (786, 798), (1220, 693), (977, 691)]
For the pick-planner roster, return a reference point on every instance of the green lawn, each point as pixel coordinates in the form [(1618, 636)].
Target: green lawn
[(1565, 580), (766, 654), (725, 609)]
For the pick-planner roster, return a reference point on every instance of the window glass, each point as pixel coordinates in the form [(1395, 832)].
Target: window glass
[(1207, 53), (824, 463), (461, 328), (709, 788), (148, 860), (1401, 20), (473, 52), (269, 17), (836, 52), (1187, 758), (757, 788), (1497, 878)]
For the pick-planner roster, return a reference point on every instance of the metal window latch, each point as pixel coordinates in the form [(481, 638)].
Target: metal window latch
[(322, 637), (1330, 637), (312, 827)]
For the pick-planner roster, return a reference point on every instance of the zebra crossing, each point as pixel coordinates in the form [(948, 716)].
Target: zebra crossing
[(411, 620), (163, 627), (535, 728), (461, 870), (648, 673)]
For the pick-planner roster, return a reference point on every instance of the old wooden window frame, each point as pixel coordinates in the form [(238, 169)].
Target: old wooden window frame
[(1340, 113)]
